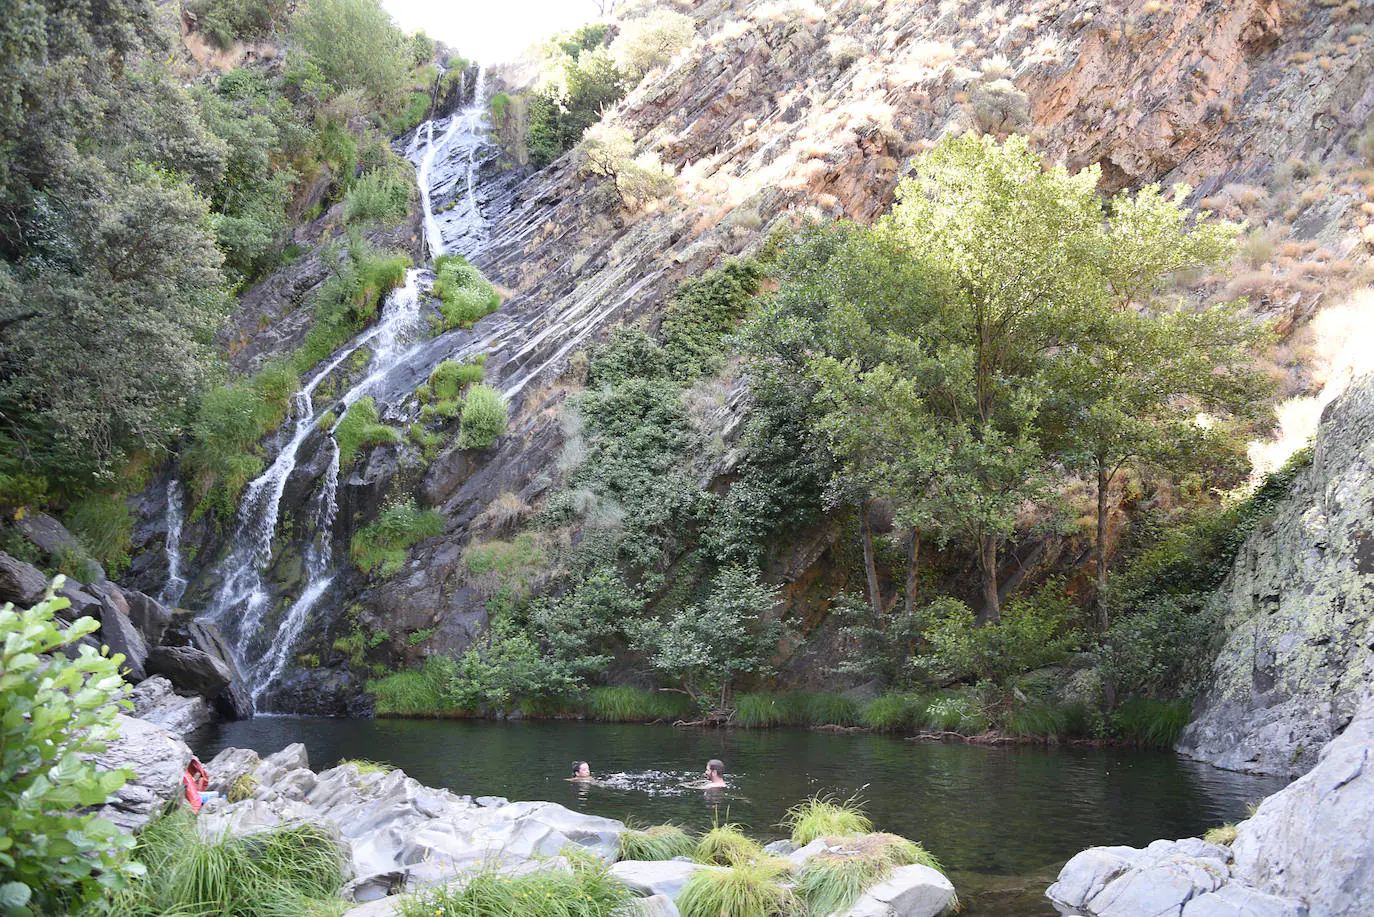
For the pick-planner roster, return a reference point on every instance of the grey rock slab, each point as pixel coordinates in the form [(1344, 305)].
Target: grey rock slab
[(149, 615), (599, 835), (157, 758), (1087, 873), (911, 891), (229, 765), (1312, 840), (801, 855), (492, 802), (121, 636), (656, 877), (20, 583), (780, 848), (1236, 900), (652, 906), (154, 700), (190, 669)]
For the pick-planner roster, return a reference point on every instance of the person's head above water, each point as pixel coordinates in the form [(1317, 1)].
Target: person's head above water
[(715, 771), (581, 769)]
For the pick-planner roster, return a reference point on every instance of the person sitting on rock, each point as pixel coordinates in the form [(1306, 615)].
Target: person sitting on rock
[(581, 771)]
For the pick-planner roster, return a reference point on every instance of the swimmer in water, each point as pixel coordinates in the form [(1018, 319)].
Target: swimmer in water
[(715, 772), (581, 771)]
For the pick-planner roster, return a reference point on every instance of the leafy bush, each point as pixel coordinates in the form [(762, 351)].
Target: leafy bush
[(382, 544), (53, 710), (703, 312), (484, 417), (825, 816), (747, 889), (508, 668), (588, 890), (383, 195), (651, 40), (726, 845), (359, 427), (464, 294), (1031, 634), (222, 456), (355, 44), (659, 842), (287, 871), (953, 712), (348, 300)]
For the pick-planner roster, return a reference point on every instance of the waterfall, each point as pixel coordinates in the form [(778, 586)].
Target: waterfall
[(175, 586)]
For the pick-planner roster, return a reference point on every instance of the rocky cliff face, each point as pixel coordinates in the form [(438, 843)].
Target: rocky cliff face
[(781, 112), (1299, 651)]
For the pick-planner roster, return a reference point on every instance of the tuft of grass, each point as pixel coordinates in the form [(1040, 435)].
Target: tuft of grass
[(893, 712), (364, 766), (1151, 723), (245, 785), (825, 816), (753, 889), (588, 890), (359, 427), (382, 544), (420, 691), (635, 705), (660, 842), (726, 845), (1222, 834), (757, 711), (382, 195), (484, 417), (831, 882), (821, 709), (464, 294), (286, 872)]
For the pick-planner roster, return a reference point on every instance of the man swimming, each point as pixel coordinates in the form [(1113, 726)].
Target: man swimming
[(715, 772)]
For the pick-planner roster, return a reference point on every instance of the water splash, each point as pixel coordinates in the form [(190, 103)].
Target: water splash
[(175, 586)]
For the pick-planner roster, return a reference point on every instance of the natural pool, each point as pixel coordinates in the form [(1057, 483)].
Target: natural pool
[(1002, 818)]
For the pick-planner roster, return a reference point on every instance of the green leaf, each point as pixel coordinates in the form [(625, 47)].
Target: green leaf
[(14, 895)]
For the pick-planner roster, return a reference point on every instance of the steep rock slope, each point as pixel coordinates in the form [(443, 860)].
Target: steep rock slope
[(1298, 608)]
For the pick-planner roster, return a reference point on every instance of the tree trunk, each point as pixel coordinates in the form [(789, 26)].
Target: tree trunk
[(1103, 483), (913, 551), (991, 612), (875, 596)]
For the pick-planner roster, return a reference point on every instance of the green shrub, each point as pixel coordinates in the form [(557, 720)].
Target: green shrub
[(620, 704), (381, 545), (421, 691), (588, 890), (825, 816), (953, 712), (831, 882), (703, 312), (747, 889), (227, 21), (660, 842), (651, 40), (824, 709), (484, 417), (726, 845), (222, 456), (507, 671), (348, 300), (287, 871), (1151, 723), (449, 378), (359, 427), (355, 44), (383, 195), (1032, 632), (104, 525), (53, 860), (464, 294), (893, 712)]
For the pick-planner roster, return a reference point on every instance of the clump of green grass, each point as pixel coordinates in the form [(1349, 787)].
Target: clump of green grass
[(635, 705), (825, 816), (588, 890), (421, 691), (747, 889), (822, 709), (831, 882), (364, 766), (289, 871), (758, 711), (464, 294), (359, 427), (245, 785), (348, 300), (726, 845), (659, 842), (954, 713), (484, 417), (1151, 723), (382, 544), (1222, 834), (893, 712)]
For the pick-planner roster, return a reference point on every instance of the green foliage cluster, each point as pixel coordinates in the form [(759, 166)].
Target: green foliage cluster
[(658, 842), (748, 889), (484, 417), (356, 45), (464, 294), (381, 544), (825, 816), (285, 872), (382, 195), (223, 452), (581, 79), (349, 299), (587, 890), (1031, 632), (766, 710), (622, 704), (421, 691), (650, 41), (53, 711), (104, 524), (506, 670), (359, 427), (227, 21), (726, 845)]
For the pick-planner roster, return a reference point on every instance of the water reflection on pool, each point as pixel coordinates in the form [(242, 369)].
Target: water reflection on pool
[(1001, 819)]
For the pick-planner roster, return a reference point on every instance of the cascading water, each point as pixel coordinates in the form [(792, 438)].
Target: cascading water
[(175, 587), (240, 605)]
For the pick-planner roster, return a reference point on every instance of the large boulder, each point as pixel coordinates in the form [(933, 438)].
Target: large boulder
[(656, 877), (1314, 839), (52, 538), (1297, 617), (157, 758), (234, 702), (20, 583), (121, 636), (911, 891), (157, 702), (149, 615), (190, 669)]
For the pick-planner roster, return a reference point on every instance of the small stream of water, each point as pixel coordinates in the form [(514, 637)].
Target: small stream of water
[(1002, 819)]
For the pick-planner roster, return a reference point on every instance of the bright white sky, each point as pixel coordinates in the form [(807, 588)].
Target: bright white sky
[(490, 31)]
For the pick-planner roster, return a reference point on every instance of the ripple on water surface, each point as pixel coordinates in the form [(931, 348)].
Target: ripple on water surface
[(1002, 819)]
